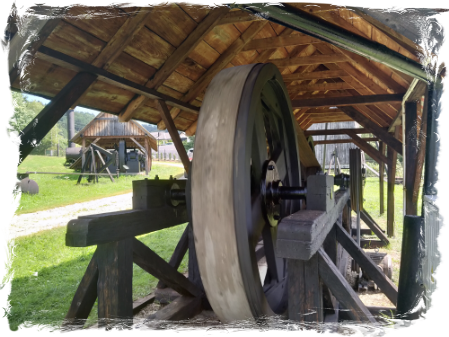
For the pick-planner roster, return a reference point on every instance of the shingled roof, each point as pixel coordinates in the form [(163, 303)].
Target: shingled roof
[(173, 51)]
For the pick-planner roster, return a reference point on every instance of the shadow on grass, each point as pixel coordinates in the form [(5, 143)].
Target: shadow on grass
[(43, 296)]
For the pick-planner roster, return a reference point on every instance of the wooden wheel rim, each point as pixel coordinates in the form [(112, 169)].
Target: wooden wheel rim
[(229, 156)]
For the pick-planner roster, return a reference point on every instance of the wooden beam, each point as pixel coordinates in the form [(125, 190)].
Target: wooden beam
[(280, 41), (223, 60), (85, 296), (71, 63), (37, 129), (335, 132), (182, 308), (122, 38), (139, 304), (237, 17), (409, 21), (314, 75), (411, 147), (175, 59), (381, 179), (392, 157), (21, 42), (375, 129), (369, 267), (346, 101), (343, 141), (340, 288), (10, 4), (307, 157), (321, 87), (152, 263), (369, 150), (369, 221), (115, 278), (304, 291), (308, 60), (166, 117)]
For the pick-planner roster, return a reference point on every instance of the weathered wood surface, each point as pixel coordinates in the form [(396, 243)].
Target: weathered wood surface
[(391, 178), (301, 234), (180, 309), (381, 179), (152, 263), (115, 275), (20, 50), (369, 150), (85, 296), (305, 295), (138, 305), (364, 215), (379, 132), (170, 125), (346, 101), (37, 129), (108, 227), (369, 267), (336, 282)]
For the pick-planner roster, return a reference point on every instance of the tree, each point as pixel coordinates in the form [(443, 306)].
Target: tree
[(189, 144), (14, 116)]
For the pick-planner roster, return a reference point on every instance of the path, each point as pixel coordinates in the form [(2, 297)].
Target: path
[(26, 224)]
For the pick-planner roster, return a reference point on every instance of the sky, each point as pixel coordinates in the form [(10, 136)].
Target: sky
[(44, 101)]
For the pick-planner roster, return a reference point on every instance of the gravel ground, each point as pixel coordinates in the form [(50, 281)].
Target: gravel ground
[(26, 224)]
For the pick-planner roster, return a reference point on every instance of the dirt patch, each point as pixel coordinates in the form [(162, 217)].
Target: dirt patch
[(26, 224)]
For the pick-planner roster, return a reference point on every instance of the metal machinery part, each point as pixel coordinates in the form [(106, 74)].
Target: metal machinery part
[(246, 157)]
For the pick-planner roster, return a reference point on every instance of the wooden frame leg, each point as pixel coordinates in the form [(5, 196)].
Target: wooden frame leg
[(305, 301), (115, 265), (336, 282), (85, 297)]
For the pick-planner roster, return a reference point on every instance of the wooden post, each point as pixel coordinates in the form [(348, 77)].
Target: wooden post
[(410, 155), (166, 117), (149, 157), (304, 290), (421, 151), (83, 152), (115, 265), (381, 179), (392, 158), (34, 132)]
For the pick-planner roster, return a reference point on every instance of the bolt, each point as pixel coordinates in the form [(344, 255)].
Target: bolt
[(156, 178), (171, 177)]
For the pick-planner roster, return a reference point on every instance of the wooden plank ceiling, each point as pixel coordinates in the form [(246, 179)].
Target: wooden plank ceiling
[(177, 49)]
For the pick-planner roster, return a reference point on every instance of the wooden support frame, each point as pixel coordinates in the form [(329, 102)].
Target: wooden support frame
[(369, 267), (336, 282), (36, 130), (379, 132), (114, 287), (346, 100), (304, 289), (381, 179), (411, 147), (84, 298), (21, 49), (167, 118), (421, 151), (152, 263), (392, 157), (369, 221), (369, 150), (182, 308)]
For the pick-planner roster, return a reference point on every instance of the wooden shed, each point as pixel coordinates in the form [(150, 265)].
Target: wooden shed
[(106, 131)]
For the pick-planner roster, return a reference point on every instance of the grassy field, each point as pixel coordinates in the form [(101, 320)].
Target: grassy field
[(46, 275), (61, 190)]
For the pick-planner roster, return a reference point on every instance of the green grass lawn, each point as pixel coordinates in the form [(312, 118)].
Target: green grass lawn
[(61, 190), (46, 275)]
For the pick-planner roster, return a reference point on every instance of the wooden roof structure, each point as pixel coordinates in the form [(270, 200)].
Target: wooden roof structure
[(176, 49), (107, 130)]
